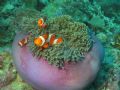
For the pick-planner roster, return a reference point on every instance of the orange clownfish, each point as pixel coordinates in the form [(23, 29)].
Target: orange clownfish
[(58, 41), (47, 40), (23, 42), (41, 23), (40, 41), (53, 41)]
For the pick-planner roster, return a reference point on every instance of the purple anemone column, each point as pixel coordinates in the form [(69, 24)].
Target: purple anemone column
[(43, 76)]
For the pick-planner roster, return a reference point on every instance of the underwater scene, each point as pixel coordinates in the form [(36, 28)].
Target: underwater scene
[(59, 44)]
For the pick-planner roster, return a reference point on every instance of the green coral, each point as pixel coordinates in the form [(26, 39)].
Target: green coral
[(30, 3), (76, 41), (116, 42), (25, 20), (7, 72)]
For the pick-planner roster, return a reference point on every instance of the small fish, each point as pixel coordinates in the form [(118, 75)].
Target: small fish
[(23, 42), (58, 41), (41, 23), (51, 39), (40, 41)]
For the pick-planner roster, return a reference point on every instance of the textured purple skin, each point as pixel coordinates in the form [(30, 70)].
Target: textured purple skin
[(43, 76)]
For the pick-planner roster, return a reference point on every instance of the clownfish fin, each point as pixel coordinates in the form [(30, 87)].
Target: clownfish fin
[(44, 25), (46, 45)]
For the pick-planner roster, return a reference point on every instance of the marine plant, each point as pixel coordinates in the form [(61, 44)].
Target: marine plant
[(52, 53), (76, 41), (30, 3), (116, 42)]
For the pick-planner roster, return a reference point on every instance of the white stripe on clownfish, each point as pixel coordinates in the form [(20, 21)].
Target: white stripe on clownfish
[(43, 40)]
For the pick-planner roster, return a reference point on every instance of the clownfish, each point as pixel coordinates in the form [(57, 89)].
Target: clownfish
[(53, 41), (23, 42), (41, 23), (47, 40), (58, 41), (40, 41)]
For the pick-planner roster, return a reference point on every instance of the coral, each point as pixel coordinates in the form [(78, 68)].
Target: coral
[(8, 8), (6, 37), (6, 18), (45, 1), (52, 10), (77, 41), (96, 21), (80, 10), (7, 72), (87, 11), (1, 62), (27, 20), (102, 37), (19, 84), (30, 3), (116, 40), (2, 1), (9, 78), (35, 4)]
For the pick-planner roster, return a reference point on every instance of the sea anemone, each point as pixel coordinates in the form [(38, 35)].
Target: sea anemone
[(76, 41), (71, 65)]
